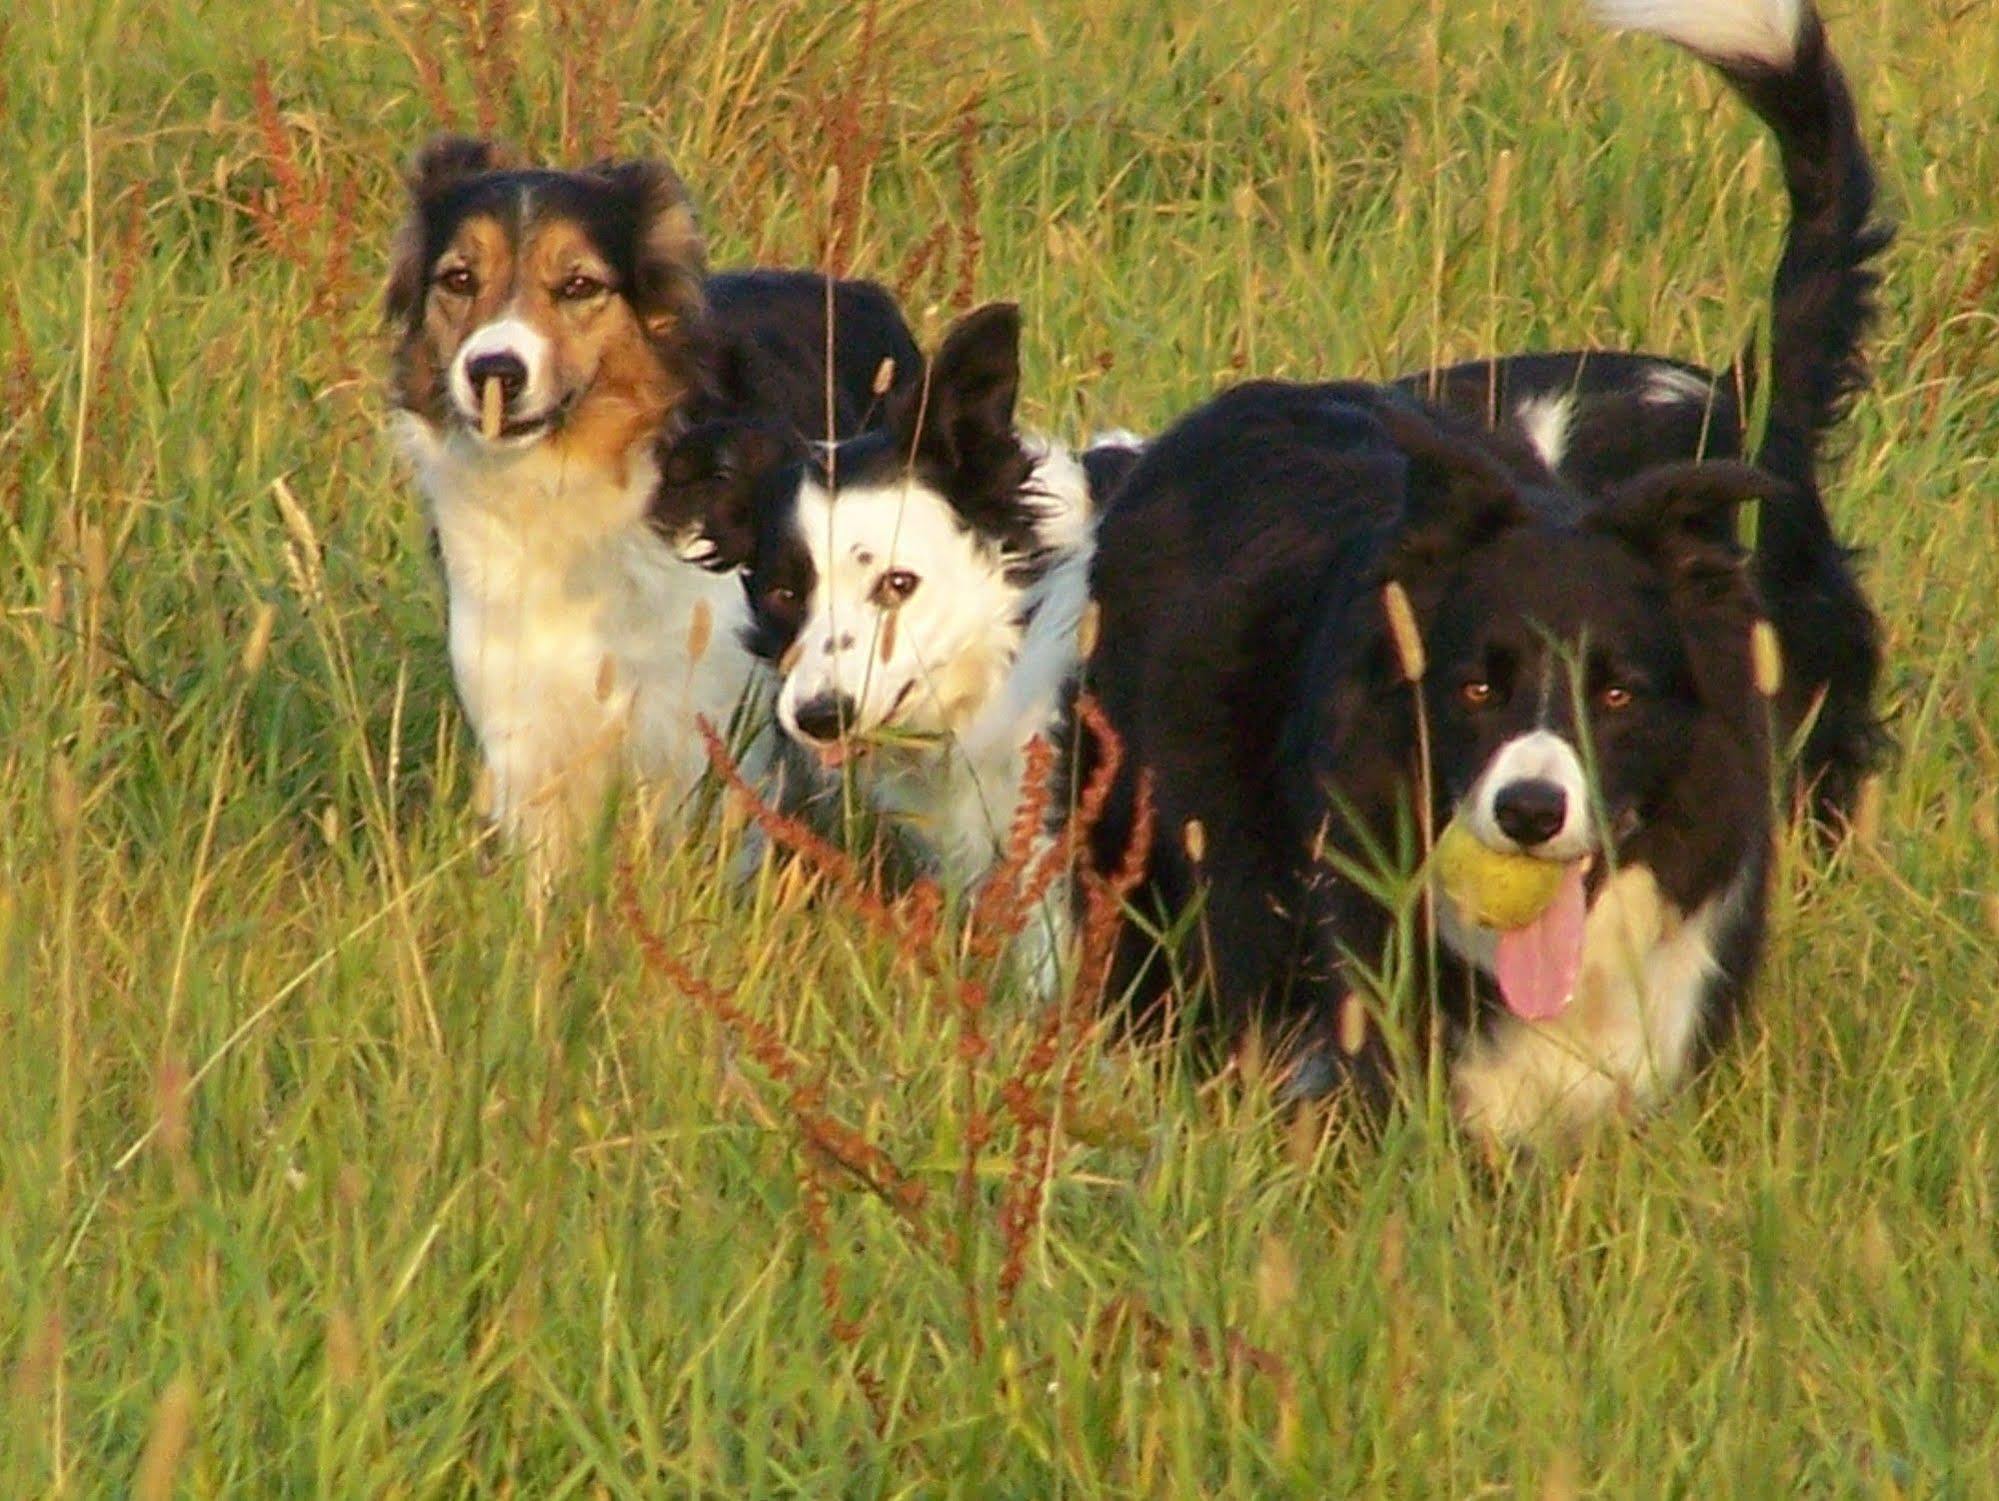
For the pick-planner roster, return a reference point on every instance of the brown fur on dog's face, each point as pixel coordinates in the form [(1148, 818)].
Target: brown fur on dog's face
[(580, 292)]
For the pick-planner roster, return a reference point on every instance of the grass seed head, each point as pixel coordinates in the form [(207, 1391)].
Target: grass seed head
[(1767, 657), (1393, 1249), (343, 1349), (1276, 1276), (1402, 628), (1562, 1480), (166, 1444), (258, 645), (1867, 811), (96, 561), (492, 405), (1302, 1138), (1352, 1025), (65, 800)]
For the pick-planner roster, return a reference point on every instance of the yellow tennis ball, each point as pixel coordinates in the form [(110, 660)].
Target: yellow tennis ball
[(1491, 888)]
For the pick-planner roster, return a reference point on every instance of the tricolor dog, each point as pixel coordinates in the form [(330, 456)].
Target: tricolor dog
[(570, 384)]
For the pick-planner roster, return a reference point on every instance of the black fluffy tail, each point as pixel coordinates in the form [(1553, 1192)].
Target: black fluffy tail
[(1822, 301), (1775, 54)]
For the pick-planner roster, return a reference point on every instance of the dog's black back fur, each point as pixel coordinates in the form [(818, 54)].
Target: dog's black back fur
[(1822, 304), (769, 395)]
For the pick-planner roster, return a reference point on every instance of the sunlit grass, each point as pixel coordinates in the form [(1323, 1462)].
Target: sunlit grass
[(329, 1169)]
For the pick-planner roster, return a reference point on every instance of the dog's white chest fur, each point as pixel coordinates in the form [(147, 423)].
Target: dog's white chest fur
[(960, 799), (582, 647), (1628, 1035)]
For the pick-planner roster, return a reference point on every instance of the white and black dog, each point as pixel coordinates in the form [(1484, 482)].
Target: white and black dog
[(565, 377), (1589, 696), (921, 588)]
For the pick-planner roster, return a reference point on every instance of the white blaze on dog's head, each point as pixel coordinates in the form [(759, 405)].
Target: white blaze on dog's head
[(912, 617), (1533, 798), (540, 307), (893, 596)]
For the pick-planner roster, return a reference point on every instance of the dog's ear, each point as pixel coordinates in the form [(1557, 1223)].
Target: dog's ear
[(710, 478), (447, 160), (1682, 517), (1105, 465), (962, 415), (669, 259), (1685, 508), (440, 165), (1458, 495)]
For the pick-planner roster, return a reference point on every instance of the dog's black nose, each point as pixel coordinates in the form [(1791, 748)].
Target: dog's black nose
[(510, 370), (824, 718), (1530, 812)]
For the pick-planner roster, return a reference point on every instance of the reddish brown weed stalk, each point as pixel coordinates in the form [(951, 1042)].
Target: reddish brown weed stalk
[(1029, 1098), (970, 241)]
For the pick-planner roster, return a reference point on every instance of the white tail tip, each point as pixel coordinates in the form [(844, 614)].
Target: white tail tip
[(1723, 31)]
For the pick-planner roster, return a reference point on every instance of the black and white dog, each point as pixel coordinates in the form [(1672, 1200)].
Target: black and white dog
[(921, 589), (571, 386), (1588, 695)]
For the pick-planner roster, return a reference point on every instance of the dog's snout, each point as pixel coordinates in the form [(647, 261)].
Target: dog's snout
[(502, 365), (826, 717), (1530, 811)]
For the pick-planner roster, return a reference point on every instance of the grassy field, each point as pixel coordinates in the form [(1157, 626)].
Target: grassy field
[(327, 1170)]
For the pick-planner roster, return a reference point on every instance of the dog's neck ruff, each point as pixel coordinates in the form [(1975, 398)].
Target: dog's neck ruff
[(582, 648)]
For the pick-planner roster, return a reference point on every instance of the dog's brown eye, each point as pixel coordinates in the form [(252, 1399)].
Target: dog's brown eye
[(579, 288), (458, 281), (1477, 693), (1614, 697), (896, 585)]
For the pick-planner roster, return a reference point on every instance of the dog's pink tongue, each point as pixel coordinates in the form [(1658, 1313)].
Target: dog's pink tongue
[(1537, 965)]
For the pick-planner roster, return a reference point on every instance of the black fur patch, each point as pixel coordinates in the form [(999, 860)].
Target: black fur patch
[(764, 400)]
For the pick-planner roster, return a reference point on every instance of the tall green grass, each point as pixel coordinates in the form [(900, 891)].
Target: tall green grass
[(328, 1168)]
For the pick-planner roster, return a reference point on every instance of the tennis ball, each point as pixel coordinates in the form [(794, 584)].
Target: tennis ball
[(1493, 889)]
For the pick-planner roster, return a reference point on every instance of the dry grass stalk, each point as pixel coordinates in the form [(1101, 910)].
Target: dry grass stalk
[(1402, 629), (492, 409), (911, 920), (923, 258), (1027, 1100), (970, 241), (127, 257), (1766, 657), (306, 222), (166, 1443)]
